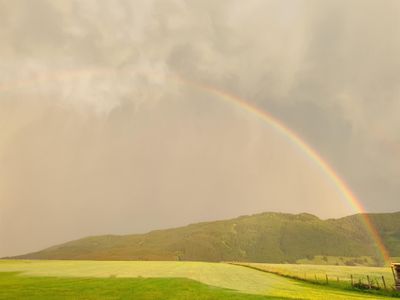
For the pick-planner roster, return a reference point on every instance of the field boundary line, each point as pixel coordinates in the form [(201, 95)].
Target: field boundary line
[(293, 277)]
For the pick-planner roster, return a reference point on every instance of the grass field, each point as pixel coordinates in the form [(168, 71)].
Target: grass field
[(153, 280), (16, 287), (343, 273)]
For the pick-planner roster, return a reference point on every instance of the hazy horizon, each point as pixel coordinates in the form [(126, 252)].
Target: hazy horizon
[(97, 135)]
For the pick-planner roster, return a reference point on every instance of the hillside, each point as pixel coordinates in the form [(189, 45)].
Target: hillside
[(266, 237)]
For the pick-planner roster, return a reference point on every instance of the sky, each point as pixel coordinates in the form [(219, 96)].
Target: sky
[(105, 127)]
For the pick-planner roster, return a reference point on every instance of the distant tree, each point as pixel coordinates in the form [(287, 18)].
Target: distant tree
[(350, 263)]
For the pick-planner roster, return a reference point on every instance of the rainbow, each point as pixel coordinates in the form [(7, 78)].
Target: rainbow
[(312, 154), (270, 120)]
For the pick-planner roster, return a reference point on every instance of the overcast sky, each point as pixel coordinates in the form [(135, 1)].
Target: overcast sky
[(98, 136)]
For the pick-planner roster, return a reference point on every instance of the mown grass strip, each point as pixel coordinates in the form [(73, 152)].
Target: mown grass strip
[(325, 282)]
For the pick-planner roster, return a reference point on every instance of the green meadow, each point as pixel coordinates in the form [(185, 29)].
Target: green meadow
[(334, 273), (31, 279), (14, 286)]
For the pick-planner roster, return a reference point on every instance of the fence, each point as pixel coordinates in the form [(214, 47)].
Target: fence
[(396, 275), (364, 282)]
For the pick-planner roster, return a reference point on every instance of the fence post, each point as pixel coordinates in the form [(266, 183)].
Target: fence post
[(327, 280), (377, 283), (369, 282), (315, 275), (352, 281), (384, 282), (394, 276)]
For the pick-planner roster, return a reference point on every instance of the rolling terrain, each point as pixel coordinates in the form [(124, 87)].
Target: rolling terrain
[(38, 279), (266, 237)]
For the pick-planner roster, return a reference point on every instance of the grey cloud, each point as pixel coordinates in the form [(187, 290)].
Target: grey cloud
[(96, 135)]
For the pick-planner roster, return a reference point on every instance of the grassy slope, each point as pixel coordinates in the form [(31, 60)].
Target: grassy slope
[(267, 237), (242, 279)]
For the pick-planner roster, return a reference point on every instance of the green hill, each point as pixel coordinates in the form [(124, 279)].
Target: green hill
[(266, 237)]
